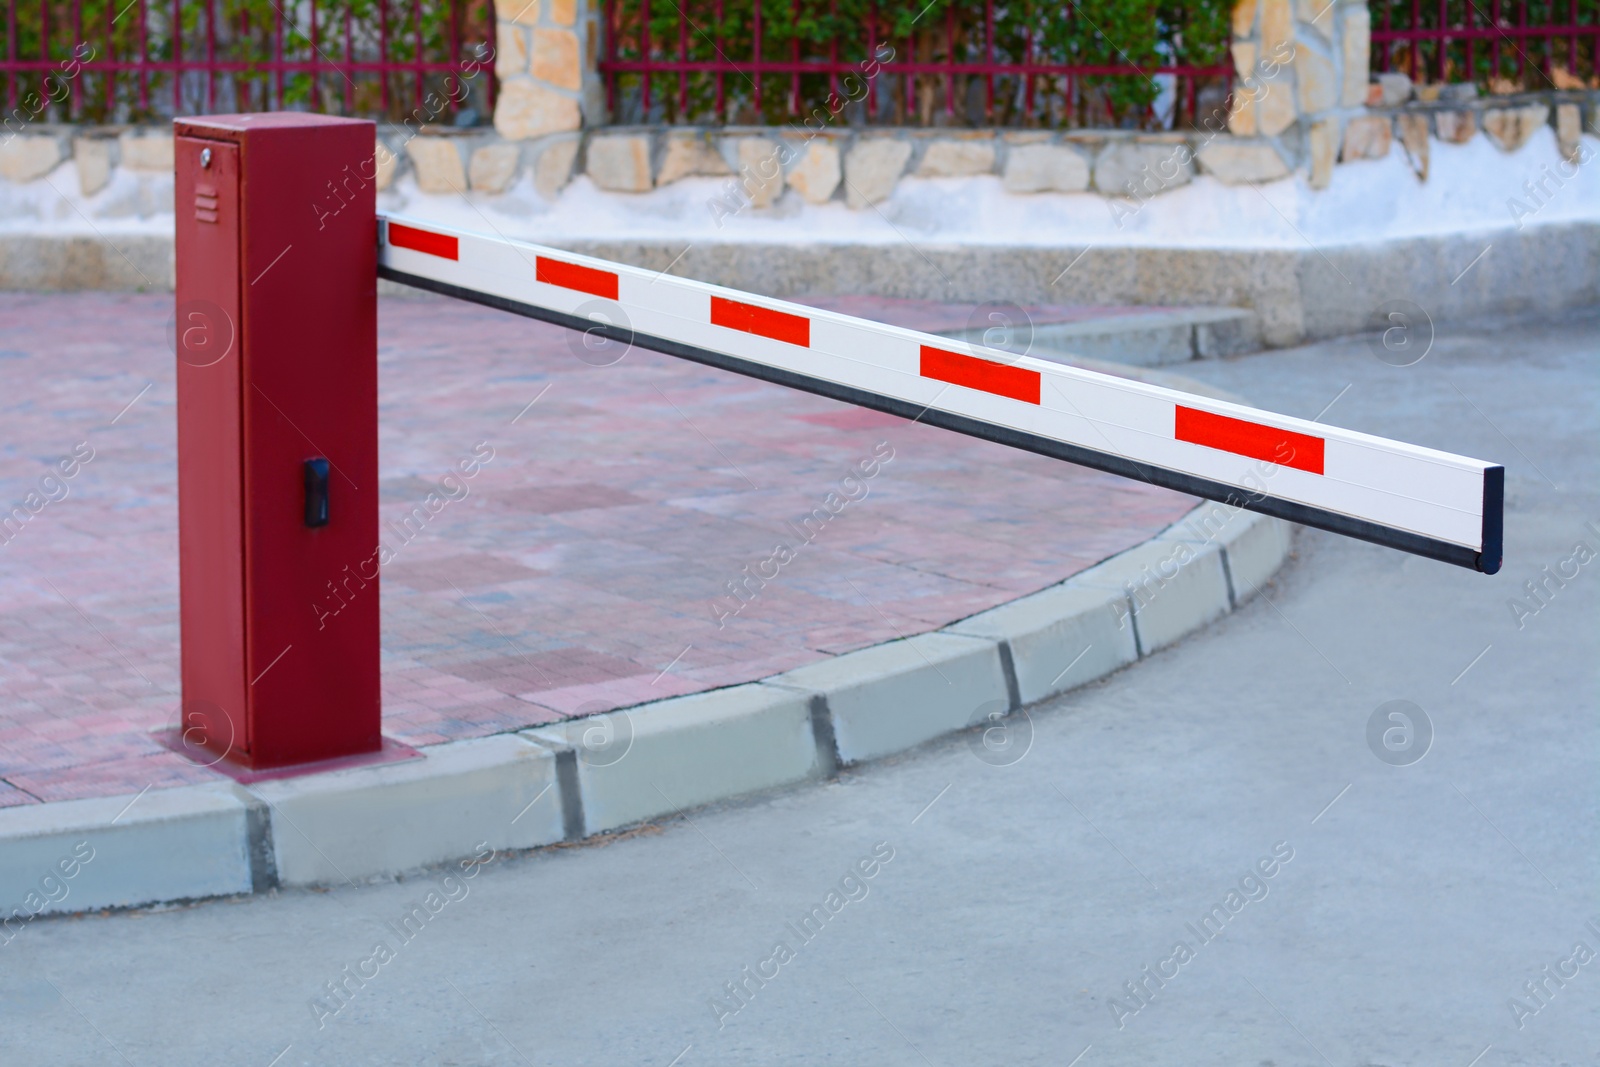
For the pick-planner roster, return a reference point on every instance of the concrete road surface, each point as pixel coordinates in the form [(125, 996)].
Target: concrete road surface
[(1215, 857)]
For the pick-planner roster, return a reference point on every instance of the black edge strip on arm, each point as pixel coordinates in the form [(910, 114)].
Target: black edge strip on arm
[(1487, 561), (1494, 519)]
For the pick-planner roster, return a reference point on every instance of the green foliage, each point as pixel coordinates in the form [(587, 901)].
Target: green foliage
[(246, 33), (1133, 35), (1524, 63)]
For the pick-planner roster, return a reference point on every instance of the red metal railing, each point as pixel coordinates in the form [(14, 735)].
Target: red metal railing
[(126, 60), (968, 61), (1502, 45)]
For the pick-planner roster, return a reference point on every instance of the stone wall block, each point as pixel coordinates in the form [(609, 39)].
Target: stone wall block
[(1511, 127), (437, 162), (957, 159), (1127, 168), (553, 168), (521, 12), (1323, 141), (1040, 168), (1455, 127), (1414, 139), (1569, 130), (760, 170), (619, 162), (1244, 18), (1275, 111), (1235, 162), (872, 168), (146, 151), (93, 157), (510, 49), (817, 175), (524, 109), (1355, 48), (493, 167), (690, 154), (1367, 137), (1314, 77), (555, 58)]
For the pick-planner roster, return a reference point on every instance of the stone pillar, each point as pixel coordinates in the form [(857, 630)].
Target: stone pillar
[(1302, 72), (546, 57)]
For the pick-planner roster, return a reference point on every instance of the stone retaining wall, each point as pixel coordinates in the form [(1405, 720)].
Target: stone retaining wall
[(859, 167)]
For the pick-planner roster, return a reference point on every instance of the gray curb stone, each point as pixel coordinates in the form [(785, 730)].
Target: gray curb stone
[(362, 823), (895, 696), (1173, 588), (548, 784), (689, 751), (1059, 639), (161, 845)]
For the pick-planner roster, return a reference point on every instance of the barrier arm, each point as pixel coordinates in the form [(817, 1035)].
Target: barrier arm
[(1415, 499)]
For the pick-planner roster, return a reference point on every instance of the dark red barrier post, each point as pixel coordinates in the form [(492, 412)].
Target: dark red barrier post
[(276, 336)]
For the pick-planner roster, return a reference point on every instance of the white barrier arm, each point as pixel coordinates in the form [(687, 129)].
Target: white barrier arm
[(1418, 500)]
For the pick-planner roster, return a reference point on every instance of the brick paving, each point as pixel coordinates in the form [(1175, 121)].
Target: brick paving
[(586, 567)]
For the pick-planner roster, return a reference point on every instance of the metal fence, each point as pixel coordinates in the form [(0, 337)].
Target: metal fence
[(1501, 45), (133, 60), (951, 62)]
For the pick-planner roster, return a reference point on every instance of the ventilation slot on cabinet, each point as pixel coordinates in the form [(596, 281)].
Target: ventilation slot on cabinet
[(205, 202)]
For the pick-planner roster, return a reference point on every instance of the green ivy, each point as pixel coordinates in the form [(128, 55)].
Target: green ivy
[(246, 32), (1132, 34), (1523, 61)]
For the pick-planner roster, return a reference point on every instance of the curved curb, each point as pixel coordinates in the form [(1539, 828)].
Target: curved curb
[(584, 777)]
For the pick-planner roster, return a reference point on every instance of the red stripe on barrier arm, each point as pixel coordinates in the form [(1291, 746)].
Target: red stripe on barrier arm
[(434, 244), (1018, 383), (572, 276), (1283, 447), (793, 329)]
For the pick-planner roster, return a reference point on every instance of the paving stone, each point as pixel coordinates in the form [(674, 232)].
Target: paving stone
[(584, 566)]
